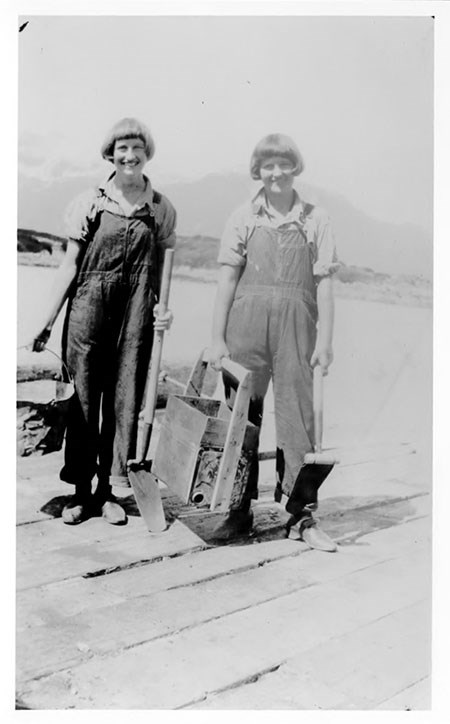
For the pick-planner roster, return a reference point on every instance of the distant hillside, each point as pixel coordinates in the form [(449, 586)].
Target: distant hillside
[(35, 242), (204, 205), (196, 259)]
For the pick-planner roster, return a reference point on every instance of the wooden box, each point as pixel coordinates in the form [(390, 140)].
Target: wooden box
[(204, 449)]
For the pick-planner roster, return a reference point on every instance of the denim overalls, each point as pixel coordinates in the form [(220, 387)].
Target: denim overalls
[(107, 342), (271, 331)]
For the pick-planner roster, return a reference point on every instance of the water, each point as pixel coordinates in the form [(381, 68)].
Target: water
[(379, 386)]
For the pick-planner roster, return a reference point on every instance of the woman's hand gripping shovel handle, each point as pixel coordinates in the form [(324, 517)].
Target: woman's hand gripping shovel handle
[(144, 484)]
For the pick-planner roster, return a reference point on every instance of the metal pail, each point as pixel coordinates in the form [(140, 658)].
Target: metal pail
[(42, 407)]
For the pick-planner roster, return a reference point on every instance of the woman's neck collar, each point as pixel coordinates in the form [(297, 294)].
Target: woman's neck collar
[(132, 185), (282, 203)]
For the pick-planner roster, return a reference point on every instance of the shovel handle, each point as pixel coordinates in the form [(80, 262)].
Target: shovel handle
[(155, 362), (318, 407)]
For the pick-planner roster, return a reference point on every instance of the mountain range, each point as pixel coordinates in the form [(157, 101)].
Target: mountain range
[(203, 206)]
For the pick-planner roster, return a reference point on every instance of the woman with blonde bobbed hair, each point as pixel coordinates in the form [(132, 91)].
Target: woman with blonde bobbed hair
[(117, 234), (126, 127), (276, 144), (274, 315)]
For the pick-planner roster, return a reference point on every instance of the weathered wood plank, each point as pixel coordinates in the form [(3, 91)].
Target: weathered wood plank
[(69, 597), (39, 492), (414, 698), (35, 540), (75, 595), (52, 603), (176, 453), (233, 445), (91, 630), (92, 557), (45, 536), (37, 505), (216, 432), (344, 524), (38, 501), (43, 649), (355, 671), (205, 657), (52, 533)]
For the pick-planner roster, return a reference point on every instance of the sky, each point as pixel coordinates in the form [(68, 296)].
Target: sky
[(355, 93)]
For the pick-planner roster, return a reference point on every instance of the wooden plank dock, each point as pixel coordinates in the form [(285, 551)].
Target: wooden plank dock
[(115, 618)]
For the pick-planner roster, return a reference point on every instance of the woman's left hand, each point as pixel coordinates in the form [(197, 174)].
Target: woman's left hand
[(162, 321), (322, 356), (39, 343)]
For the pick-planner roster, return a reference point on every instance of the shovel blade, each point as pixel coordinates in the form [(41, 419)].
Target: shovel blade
[(148, 498)]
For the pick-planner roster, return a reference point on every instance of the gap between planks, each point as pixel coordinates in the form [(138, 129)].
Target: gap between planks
[(137, 677), (361, 669), (37, 639), (336, 516)]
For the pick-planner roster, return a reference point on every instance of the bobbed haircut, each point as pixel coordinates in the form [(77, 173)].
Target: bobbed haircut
[(275, 144), (127, 128)]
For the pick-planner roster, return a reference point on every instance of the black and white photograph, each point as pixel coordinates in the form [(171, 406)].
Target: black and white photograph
[(223, 459)]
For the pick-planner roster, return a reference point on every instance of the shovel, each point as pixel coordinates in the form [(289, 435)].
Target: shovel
[(318, 464), (144, 483)]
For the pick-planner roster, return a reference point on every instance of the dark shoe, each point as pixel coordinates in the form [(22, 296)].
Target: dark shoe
[(236, 523), (75, 512), (312, 534), (113, 513)]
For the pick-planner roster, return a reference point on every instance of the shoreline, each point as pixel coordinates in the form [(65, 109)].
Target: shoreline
[(397, 290)]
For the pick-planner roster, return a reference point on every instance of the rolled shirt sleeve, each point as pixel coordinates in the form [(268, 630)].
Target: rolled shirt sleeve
[(326, 261), (233, 243), (80, 215), (166, 221)]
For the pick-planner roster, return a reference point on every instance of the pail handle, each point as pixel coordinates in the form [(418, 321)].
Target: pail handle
[(55, 354)]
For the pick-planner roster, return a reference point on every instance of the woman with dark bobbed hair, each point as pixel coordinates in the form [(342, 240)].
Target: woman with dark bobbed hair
[(276, 144), (117, 234), (274, 315)]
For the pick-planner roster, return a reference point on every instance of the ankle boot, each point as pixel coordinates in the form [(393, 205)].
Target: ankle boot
[(107, 505), (308, 530), (79, 507)]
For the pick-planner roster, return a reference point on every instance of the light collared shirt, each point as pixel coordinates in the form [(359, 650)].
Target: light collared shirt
[(81, 214), (316, 227)]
